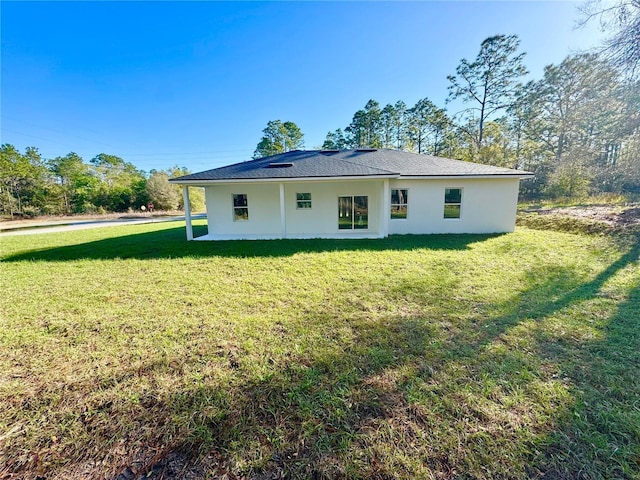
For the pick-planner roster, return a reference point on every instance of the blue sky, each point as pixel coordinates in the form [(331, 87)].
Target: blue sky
[(194, 83)]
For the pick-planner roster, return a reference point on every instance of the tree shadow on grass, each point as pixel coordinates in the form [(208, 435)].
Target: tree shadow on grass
[(550, 291), (170, 243), (409, 399), (299, 418), (594, 433), (598, 436), (406, 398)]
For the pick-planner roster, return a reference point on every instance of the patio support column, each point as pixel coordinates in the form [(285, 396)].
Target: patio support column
[(187, 211), (386, 209), (283, 213)]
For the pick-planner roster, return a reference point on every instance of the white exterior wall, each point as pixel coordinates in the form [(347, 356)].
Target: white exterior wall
[(264, 211), (488, 206), (321, 220)]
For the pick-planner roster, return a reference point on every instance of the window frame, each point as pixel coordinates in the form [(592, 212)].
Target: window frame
[(300, 201), (352, 213), (405, 204), (453, 204), (235, 208)]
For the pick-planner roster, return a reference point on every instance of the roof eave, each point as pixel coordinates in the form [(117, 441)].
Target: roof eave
[(319, 178), (521, 176)]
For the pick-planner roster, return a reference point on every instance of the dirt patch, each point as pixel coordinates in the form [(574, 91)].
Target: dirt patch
[(620, 217), (629, 217), (174, 465), (170, 465)]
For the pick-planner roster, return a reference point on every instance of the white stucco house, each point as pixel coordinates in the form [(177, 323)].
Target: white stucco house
[(364, 193)]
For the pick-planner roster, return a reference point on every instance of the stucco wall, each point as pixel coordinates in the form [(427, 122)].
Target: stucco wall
[(488, 206), (321, 220), (264, 210)]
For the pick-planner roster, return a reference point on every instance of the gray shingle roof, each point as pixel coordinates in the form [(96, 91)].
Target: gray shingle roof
[(348, 163)]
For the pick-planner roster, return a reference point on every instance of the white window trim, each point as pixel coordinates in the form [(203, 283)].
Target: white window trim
[(233, 208), (310, 201), (451, 219), (353, 229), (391, 205)]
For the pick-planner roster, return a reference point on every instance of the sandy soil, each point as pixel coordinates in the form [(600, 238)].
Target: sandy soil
[(618, 216)]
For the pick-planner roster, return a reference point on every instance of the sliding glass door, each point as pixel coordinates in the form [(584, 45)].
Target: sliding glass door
[(353, 213)]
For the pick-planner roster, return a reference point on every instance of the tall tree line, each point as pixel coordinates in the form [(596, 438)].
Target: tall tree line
[(577, 128), (31, 185)]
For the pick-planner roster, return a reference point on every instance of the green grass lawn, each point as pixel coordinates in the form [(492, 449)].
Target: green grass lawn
[(444, 356)]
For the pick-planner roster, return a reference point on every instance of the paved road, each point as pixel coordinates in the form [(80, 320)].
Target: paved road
[(7, 229)]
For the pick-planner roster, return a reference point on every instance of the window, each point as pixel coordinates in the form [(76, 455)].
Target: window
[(240, 207), (399, 200), (353, 213), (303, 200), (452, 202)]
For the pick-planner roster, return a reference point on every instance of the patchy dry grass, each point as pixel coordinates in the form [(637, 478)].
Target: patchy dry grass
[(453, 356), (564, 223), (603, 199)]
